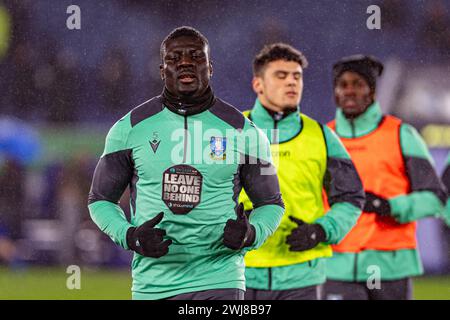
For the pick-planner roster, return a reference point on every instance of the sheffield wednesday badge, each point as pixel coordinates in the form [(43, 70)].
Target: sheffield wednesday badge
[(218, 148)]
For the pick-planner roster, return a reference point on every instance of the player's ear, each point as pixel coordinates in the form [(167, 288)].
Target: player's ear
[(372, 95), (210, 69), (257, 85), (161, 71)]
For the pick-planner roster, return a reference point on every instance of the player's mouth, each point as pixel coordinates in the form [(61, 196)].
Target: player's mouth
[(291, 94), (187, 78), (349, 103)]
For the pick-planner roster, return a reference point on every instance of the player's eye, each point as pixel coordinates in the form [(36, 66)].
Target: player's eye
[(358, 84), (198, 55), (281, 75), (172, 57), (342, 85)]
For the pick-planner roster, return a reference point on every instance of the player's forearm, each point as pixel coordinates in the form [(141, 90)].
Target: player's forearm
[(110, 218), (261, 184), (344, 191), (265, 219), (339, 220), (428, 194), (341, 182), (446, 176), (446, 213), (446, 181), (416, 205), (111, 177)]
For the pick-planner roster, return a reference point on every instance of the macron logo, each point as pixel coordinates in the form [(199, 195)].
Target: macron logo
[(154, 144)]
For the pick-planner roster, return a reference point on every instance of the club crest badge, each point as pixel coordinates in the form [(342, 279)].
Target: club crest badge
[(218, 148)]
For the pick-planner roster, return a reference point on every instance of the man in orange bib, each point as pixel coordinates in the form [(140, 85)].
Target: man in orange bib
[(377, 259)]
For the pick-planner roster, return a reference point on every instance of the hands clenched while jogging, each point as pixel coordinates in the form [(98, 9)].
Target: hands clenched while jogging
[(148, 240), (239, 233), (377, 204), (305, 236)]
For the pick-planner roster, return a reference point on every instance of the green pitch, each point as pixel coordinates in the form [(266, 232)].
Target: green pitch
[(50, 283)]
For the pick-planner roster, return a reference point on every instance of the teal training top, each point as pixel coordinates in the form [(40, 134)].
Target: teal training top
[(192, 168), (344, 190), (425, 199)]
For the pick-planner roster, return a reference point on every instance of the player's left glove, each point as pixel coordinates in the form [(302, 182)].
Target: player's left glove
[(239, 233), (305, 236), (377, 204)]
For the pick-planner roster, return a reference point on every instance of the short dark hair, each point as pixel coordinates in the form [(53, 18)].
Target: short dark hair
[(183, 31), (274, 52)]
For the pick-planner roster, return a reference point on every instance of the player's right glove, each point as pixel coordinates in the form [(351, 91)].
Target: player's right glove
[(148, 240), (377, 204)]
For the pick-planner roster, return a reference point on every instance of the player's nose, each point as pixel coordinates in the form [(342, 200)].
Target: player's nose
[(349, 91), (186, 60)]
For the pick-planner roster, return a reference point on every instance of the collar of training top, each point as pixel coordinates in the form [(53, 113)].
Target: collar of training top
[(277, 116), (363, 124), (188, 106)]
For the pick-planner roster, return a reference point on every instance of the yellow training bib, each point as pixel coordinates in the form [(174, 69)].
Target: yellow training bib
[(301, 164)]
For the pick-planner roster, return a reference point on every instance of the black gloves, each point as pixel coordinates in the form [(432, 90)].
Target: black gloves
[(377, 204), (148, 240), (238, 233), (305, 236)]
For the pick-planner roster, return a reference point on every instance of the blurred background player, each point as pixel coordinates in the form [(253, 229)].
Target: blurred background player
[(188, 248), (401, 187), (309, 158)]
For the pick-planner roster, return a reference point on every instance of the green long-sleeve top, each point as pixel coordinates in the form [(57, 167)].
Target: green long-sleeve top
[(344, 192), (425, 199), (192, 167)]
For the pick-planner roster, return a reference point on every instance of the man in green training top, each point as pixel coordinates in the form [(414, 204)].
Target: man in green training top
[(186, 155), (377, 259), (309, 157)]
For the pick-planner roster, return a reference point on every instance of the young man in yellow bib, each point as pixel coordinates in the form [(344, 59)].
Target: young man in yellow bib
[(309, 158)]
